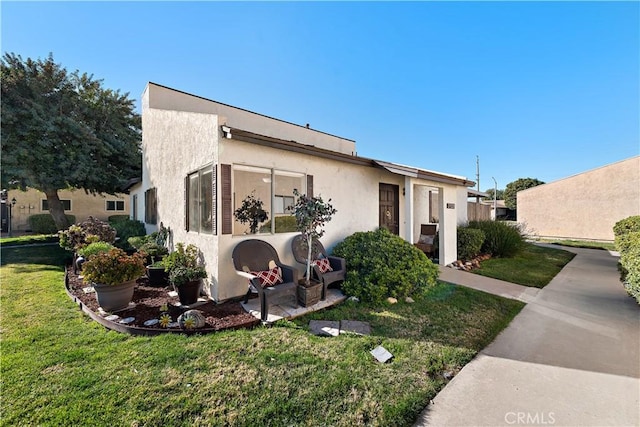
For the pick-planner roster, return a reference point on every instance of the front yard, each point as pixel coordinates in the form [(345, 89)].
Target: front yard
[(60, 368), (532, 266)]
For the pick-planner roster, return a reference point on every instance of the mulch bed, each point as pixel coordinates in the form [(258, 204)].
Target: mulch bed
[(148, 301)]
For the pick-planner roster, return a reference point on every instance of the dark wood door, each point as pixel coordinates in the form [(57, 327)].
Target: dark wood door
[(389, 207)]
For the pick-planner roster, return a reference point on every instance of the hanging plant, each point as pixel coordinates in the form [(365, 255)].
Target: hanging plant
[(252, 212)]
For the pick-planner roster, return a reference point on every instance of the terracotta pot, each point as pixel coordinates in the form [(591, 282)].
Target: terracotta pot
[(114, 297), (189, 292)]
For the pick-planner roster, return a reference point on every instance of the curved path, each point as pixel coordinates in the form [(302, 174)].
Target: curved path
[(570, 358)]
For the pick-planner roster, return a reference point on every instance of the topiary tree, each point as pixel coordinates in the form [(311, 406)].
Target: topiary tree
[(381, 264), (511, 192), (311, 214)]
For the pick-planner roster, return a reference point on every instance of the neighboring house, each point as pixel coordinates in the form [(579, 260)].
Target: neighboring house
[(502, 211), (201, 159), (584, 206), (75, 202)]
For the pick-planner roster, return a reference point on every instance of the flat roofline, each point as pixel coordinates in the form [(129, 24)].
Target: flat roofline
[(248, 111), (294, 146)]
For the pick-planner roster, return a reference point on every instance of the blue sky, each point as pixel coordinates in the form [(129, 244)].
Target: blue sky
[(535, 89)]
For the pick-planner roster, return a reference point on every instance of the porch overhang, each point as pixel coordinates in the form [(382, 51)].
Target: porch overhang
[(298, 147)]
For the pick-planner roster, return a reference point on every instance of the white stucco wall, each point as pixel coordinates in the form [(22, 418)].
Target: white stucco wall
[(584, 206), (176, 143), (353, 191), (169, 99)]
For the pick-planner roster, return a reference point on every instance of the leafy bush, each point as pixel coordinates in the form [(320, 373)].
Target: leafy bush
[(44, 224), (627, 232), (501, 239), (94, 249), (113, 267), (153, 251), (183, 265), (381, 264), (126, 228), (116, 218), (470, 242), (627, 225), (91, 230)]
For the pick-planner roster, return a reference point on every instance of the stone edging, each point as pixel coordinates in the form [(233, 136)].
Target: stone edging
[(126, 329)]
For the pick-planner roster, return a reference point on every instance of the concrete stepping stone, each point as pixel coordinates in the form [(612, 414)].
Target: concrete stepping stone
[(355, 327), (329, 328)]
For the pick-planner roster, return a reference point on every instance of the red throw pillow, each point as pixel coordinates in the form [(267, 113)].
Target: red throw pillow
[(323, 265), (269, 277)]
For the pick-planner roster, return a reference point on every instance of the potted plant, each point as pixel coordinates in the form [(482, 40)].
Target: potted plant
[(252, 212), (311, 214), (185, 272), (155, 270), (113, 274), (90, 250)]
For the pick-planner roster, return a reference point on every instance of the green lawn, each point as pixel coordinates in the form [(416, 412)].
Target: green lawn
[(28, 240), (532, 266), (608, 246), (58, 367)]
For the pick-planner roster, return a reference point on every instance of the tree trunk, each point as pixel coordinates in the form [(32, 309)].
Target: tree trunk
[(309, 250), (56, 209)]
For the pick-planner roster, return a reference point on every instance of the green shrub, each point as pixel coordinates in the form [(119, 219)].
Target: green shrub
[(501, 239), (94, 249), (470, 242), (381, 265), (629, 247), (91, 230), (44, 224), (126, 228), (116, 218), (627, 225)]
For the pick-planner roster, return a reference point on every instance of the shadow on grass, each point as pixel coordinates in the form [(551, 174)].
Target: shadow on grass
[(43, 255)]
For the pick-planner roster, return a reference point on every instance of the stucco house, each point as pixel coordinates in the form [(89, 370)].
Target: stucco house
[(585, 206), (202, 158), (76, 202)]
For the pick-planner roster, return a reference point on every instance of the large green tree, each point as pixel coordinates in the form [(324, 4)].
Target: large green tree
[(64, 130), (491, 191), (511, 192)]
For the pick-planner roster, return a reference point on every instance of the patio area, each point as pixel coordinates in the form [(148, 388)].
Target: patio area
[(287, 311)]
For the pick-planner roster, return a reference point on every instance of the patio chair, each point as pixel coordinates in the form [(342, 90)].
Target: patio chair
[(338, 265), (254, 260), (427, 237)]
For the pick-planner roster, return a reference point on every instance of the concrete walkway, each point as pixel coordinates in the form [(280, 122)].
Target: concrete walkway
[(570, 358)]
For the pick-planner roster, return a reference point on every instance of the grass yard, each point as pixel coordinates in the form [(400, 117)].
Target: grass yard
[(532, 266), (58, 367), (607, 246), (28, 240)]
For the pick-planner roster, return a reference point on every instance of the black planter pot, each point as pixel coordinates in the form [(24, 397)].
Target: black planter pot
[(157, 276), (189, 292)]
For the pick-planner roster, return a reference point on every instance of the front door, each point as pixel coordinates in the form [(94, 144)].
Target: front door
[(389, 208)]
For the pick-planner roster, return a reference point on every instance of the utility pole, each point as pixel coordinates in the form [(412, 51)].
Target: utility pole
[(478, 178), (495, 199)]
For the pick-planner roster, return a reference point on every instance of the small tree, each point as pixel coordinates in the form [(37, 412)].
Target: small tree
[(311, 213), (252, 212)]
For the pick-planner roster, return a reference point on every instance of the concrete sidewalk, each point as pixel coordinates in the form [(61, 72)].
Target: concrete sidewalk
[(570, 358)]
